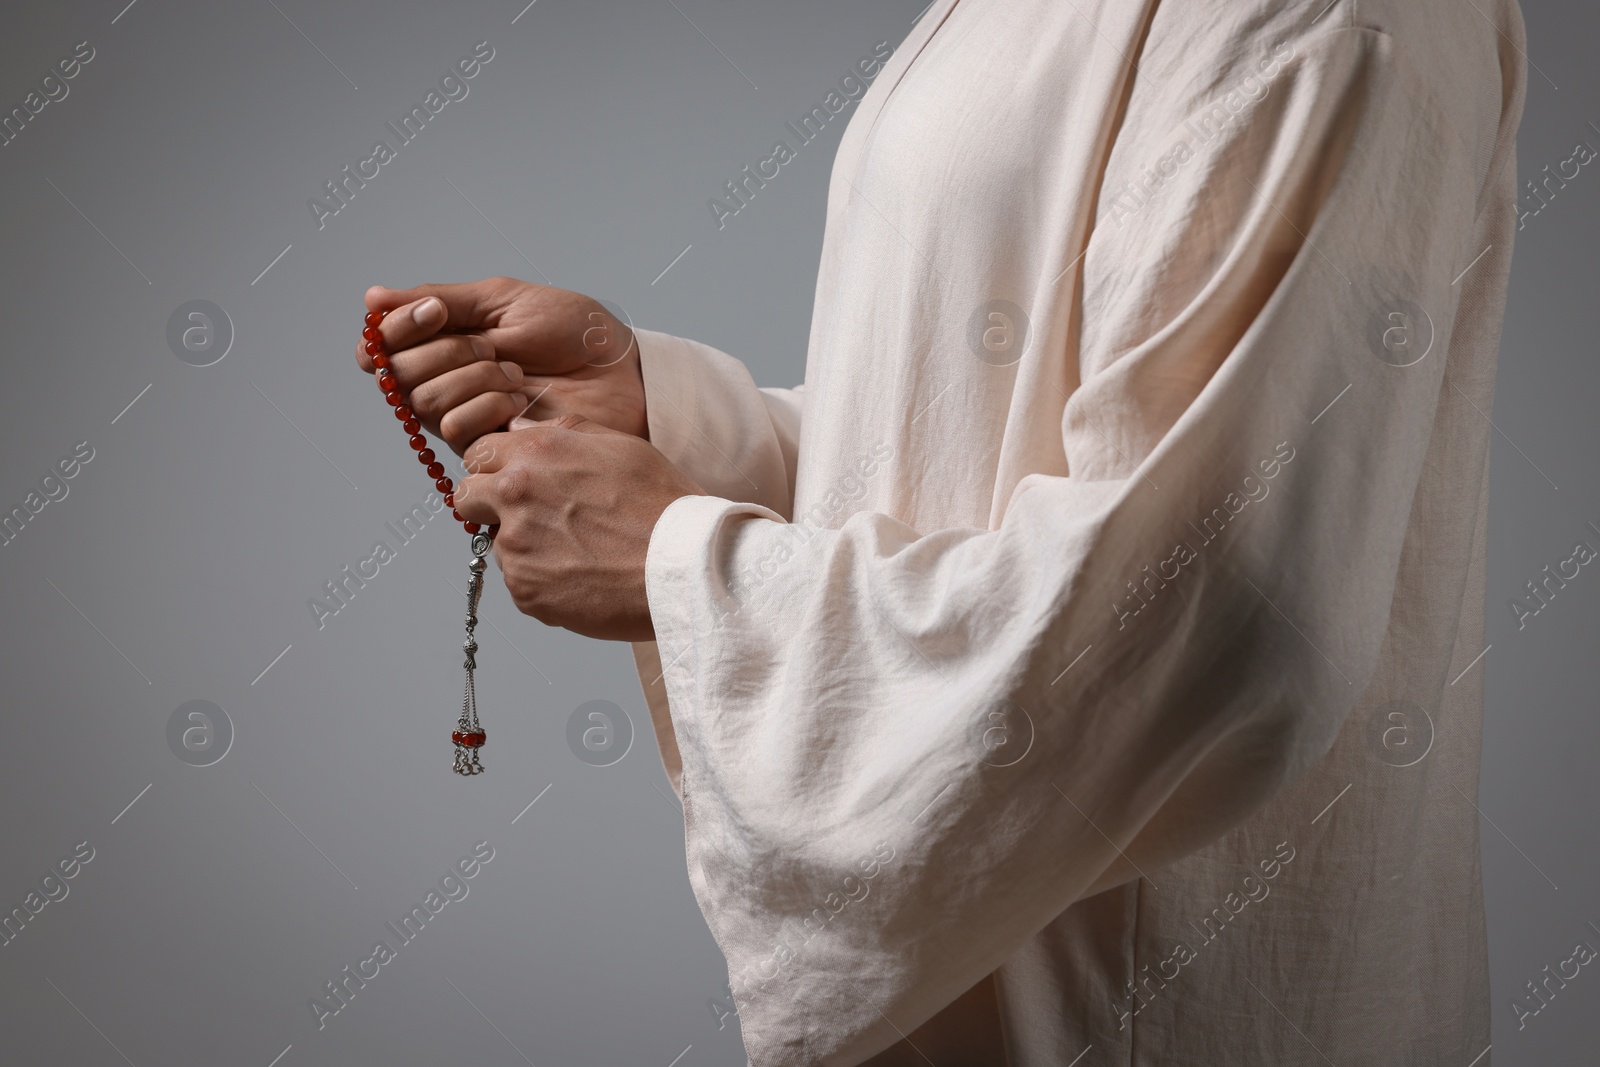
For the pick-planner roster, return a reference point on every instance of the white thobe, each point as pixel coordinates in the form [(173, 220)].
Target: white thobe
[(1077, 664)]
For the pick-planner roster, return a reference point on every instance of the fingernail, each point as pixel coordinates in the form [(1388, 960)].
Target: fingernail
[(481, 347), (429, 314), (513, 373), (520, 423)]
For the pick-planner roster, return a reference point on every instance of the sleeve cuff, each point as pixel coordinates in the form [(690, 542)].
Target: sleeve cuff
[(667, 364), (680, 557), (706, 415)]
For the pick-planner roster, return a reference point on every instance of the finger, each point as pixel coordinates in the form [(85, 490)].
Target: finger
[(487, 454), (443, 354), (529, 396), (544, 394), (436, 396), (483, 414), (529, 419), (475, 501), (413, 323), (421, 362), (469, 304)]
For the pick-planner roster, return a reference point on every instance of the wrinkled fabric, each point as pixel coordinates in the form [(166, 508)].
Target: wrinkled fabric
[(1083, 666)]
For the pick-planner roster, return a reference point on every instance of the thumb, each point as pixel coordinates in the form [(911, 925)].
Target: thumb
[(467, 304)]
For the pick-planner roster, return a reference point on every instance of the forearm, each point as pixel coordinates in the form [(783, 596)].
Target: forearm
[(706, 415)]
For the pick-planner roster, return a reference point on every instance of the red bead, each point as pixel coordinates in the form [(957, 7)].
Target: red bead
[(456, 514), (418, 442), (436, 470), (387, 381), (372, 348), (450, 500), (373, 318), (471, 527), (394, 398), (426, 457), (469, 738), (379, 360), (403, 413), (412, 425), (371, 334), (444, 485)]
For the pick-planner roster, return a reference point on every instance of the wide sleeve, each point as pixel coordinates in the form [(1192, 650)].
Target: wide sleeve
[(905, 751), (737, 441), (707, 416)]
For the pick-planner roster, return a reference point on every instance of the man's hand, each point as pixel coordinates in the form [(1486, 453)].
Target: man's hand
[(576, 503), (471, 357)]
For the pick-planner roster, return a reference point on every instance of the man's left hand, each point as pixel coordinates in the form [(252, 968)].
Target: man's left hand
[(576, 503)]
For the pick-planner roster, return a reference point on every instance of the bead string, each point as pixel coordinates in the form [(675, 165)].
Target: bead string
[(390, 385), (468, 736)]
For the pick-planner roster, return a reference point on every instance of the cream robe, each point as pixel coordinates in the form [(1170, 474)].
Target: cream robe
[(1075, 671)]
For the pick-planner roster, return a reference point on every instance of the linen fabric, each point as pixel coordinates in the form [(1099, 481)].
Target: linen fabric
[(1082, 666)]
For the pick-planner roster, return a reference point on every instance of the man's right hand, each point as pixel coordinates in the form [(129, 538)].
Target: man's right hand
[(473, 356)]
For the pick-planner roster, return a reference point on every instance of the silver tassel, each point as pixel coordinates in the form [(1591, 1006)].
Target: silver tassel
[(469, 734)]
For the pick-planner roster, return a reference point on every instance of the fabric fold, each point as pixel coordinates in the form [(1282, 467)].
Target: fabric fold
[(1099, 522)]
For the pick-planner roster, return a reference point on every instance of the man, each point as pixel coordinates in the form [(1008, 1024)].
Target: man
[(1074, 670)]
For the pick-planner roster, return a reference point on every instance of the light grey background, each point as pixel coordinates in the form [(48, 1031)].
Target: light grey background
[(180, 563)]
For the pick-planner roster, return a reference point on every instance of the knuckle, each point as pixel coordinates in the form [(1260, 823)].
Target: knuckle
[(425, 399), (530, 603), (463, 351), (455, 429), (479, 456), (486, 375), (516, 482)]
